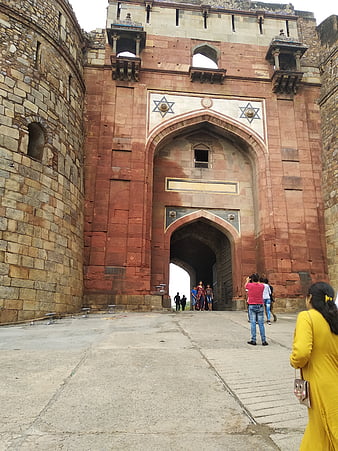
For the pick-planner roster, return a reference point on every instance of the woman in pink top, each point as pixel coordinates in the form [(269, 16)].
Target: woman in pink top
[(256, 308)]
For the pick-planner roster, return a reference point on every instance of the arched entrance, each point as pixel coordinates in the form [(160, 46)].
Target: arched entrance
[(206, 251), (205, 200)]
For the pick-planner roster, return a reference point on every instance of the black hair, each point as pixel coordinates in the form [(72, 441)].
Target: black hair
[(323, 300), (254, 277)]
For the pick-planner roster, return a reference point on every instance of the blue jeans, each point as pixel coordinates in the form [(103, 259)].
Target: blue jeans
[(267, 303), (256, 313)]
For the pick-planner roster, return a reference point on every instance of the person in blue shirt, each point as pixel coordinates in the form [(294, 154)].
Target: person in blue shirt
[(193, 298)]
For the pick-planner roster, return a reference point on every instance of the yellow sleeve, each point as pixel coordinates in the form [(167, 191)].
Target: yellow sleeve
[(302, 341)]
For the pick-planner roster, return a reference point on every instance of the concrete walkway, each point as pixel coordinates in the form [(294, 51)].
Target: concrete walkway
[(148, 381)]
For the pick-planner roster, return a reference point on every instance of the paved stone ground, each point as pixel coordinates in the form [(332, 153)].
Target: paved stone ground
[(141, 381)]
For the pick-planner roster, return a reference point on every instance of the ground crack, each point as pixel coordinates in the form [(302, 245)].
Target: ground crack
[(30, 430)]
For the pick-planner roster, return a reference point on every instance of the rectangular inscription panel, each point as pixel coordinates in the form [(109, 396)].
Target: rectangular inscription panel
[(201, 186)]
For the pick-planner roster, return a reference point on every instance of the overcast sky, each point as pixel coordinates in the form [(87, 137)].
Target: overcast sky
[(91, 14)]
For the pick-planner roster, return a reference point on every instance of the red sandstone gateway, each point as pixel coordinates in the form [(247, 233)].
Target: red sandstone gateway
[(199, 145), (202, 166)]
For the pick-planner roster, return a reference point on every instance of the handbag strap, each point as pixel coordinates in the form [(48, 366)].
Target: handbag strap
[(301, 369), (311, 324)]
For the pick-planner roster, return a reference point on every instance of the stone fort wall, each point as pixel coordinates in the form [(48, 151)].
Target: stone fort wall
[(328, 35), (42, 98), (41, 139)]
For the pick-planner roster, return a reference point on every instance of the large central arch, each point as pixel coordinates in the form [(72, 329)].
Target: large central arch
[(223, 125), (204, 222)]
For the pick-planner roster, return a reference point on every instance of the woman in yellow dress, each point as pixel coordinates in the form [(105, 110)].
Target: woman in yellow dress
[(315, 351)]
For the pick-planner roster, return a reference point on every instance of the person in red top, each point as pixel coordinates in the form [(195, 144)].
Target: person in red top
[(200, 297), (256, 308)]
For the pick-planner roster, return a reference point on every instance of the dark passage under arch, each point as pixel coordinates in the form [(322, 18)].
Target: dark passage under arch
[(202, 247)]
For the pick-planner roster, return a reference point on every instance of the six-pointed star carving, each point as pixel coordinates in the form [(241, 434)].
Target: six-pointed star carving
[(249, 112), (163, 106)]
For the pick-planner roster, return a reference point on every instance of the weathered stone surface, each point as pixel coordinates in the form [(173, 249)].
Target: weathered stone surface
[(41, 83), (141, 139), (279, 181), (328, 36)]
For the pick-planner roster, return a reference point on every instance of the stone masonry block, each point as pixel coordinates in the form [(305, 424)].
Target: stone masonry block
[(31, 305), (18, 272), (9, 292), (22, 283), (37, 275), (13, 305), (8, 316), (4, 268), (27, 294)]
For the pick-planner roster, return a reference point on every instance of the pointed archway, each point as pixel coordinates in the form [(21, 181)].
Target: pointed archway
[(207, 251), (206, 168)]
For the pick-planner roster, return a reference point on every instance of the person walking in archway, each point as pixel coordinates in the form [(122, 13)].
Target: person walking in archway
[(177, 300), (193, 298), (209, 295), (183, 302), (200, 298)]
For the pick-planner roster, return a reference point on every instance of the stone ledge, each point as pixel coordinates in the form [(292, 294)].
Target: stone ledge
[(123, 301)]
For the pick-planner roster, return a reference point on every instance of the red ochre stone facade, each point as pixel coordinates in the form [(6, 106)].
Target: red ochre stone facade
[(142, 135), (114, 165)]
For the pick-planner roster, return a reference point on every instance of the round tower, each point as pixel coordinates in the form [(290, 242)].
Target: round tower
[(328, 35), (41, 159)]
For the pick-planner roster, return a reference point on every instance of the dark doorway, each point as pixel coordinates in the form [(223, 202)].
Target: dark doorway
[(202, 247)]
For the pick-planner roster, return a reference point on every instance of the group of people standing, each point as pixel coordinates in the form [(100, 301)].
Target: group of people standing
[(202, 297)]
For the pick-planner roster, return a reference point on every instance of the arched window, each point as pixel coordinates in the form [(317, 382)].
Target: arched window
[(36, 141), (205, 56), (126, 54), (201, 156), (62, 26), (37, 61), (125, 45), (119, 7), (69, 88)]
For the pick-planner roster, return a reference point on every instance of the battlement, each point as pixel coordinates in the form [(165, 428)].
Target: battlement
[(240, 22), (226, 5)]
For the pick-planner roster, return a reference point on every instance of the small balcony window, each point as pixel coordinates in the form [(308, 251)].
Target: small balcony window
[(201, 158), (205, 56)]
